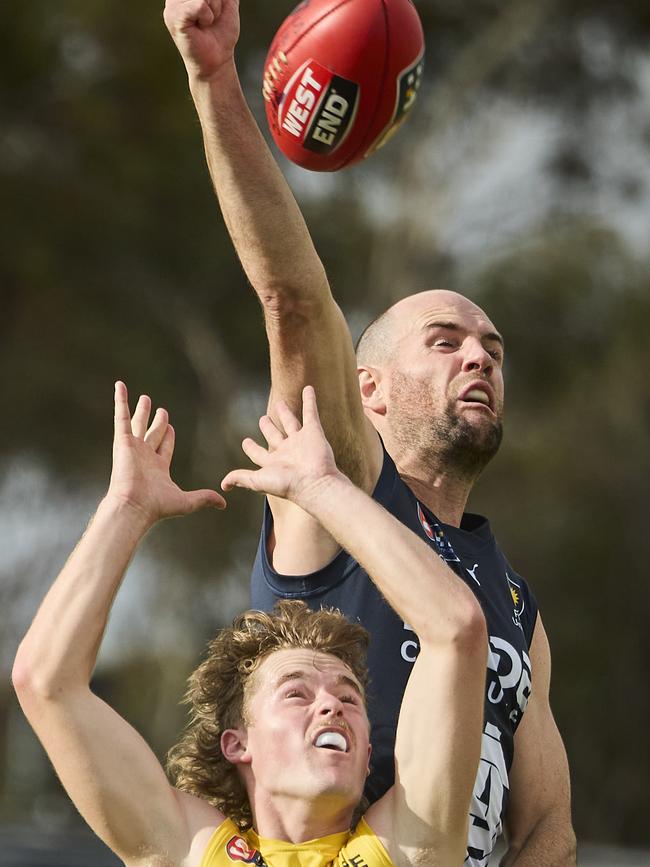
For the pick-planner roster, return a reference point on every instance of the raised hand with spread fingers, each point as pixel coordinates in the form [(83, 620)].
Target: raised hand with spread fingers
[(108, 770), (142, 455), (298, 460)]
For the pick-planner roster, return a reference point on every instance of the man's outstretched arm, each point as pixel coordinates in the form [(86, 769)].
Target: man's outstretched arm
[(538, 821), (114, 779), (308, 337)]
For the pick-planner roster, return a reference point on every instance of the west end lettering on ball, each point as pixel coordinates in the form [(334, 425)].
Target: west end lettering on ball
[(330, 120), (317, 107), (366, 59), (333, 116), (301, 104)]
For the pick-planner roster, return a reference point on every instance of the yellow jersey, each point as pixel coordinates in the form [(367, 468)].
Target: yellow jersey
[(229, 846)]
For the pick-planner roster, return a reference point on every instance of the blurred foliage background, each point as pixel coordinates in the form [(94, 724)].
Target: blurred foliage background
[(522, 178)]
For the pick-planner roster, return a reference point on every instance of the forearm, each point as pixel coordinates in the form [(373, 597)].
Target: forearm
[(60, 647), (418, 585), (261, 214)]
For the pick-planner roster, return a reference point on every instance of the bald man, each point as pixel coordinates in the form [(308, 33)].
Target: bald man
[(412, 421)]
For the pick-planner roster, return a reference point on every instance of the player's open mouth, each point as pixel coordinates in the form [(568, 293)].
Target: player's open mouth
[(478, 393), (332, 740)]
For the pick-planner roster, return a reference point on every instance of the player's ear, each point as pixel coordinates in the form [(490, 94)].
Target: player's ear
[(371, 386), (234, 746)]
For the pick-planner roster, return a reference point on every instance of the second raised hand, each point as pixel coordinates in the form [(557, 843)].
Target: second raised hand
[(142, 455), (297, 461)]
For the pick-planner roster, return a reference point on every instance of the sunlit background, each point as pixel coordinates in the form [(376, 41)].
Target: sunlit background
[(522, 178)]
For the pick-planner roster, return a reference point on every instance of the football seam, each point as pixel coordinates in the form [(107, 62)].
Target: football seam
[(379, 92)]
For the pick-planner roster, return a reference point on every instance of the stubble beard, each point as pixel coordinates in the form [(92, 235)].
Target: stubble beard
[(440, 437)]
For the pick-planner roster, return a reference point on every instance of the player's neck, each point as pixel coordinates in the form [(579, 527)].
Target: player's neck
[(296, 820), (440, 479), (443, 492)]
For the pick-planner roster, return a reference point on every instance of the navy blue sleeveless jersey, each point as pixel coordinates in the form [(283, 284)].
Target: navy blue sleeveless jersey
[(510, 611)]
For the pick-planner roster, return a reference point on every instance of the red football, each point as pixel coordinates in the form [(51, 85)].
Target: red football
[(340, 77)]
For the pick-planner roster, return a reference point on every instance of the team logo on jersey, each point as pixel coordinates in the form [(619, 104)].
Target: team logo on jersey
[(518, 603), (237, 849), (440, 542)]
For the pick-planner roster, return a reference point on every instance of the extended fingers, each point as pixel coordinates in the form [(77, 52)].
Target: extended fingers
[(158, 428), (122, 414), (289, 421), (240, 479), (140, 418), (272, 434), (203, 499), (248, 478), (310, 407), (166, 447), (257, 453)]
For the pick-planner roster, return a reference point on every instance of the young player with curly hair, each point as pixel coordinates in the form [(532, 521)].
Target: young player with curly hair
[(272, 766)]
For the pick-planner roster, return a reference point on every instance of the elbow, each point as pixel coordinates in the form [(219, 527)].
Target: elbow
[(462, 630), (24, 682), (281, 306), (470, 629), (20, 675), (303, 298), (32, 682), (466, 632)]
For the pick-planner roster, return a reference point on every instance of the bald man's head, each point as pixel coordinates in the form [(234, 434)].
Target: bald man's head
[(377, 343), (432, 380)]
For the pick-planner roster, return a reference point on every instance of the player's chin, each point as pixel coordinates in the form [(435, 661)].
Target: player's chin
[(347, 790), (479, 432), (343, 779), (485, 427)]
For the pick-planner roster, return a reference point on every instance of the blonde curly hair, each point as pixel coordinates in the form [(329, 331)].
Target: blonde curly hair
[(216, 692)]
